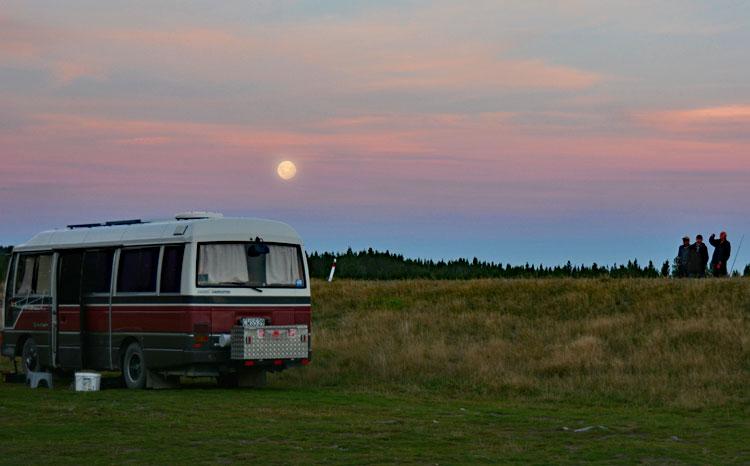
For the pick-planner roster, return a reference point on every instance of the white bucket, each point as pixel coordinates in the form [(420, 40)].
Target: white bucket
[(87, 381)]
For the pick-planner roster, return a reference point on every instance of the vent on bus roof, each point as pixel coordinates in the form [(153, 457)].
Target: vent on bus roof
[(107, 224), (197, 215)]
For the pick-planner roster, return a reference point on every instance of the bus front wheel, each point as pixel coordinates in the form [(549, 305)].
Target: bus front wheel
[(134, 367)]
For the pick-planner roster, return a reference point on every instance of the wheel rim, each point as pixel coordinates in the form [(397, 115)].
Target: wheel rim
[(30, 357), (134, 367)]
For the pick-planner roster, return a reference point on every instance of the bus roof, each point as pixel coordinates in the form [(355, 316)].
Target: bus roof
[(136, 232)]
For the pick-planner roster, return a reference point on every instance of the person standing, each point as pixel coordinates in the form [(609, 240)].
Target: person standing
[(697, 258), (720, 257), (682, 257)]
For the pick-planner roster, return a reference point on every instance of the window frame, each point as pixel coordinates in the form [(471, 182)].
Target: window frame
[(300, 259), (116, 285)]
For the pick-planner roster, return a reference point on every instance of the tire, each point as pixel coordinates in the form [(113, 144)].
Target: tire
[(30, 357), (134, 367)]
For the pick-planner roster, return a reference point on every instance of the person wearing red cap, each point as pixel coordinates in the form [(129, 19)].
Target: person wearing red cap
[(720, 257)]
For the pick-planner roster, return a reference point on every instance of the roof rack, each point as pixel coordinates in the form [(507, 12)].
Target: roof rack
[(106, 224), (124, 222), (84, 225)]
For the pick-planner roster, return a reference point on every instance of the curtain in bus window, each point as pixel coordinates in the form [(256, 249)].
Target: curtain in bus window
[(25, 277), (222, 264), (282, 265), (44, 275)]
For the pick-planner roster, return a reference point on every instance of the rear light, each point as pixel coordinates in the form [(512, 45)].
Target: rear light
[(277, 362), (249, 363), (305, 362), (200, 335)]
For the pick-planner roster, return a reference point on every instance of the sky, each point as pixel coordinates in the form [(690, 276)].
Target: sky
[(512, 131)]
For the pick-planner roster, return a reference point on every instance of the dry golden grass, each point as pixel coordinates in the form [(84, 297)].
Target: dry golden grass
[(682, 343), (675, 342)]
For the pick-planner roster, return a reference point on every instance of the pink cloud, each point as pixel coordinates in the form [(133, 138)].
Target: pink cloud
[(66, 72), (708, 119), (416, 122), (152, 132), (472, 69), (195, 39)]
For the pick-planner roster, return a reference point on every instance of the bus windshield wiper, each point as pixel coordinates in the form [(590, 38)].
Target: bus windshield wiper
[(242, 285)]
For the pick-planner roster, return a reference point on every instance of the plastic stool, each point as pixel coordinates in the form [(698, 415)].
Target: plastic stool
[(34, 378)]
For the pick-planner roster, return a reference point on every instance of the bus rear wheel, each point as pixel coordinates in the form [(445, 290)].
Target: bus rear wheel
[(134, 367), (30, 356)]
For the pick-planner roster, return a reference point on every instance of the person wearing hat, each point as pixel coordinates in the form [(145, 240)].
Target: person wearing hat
[(720, 257), (682, 257)]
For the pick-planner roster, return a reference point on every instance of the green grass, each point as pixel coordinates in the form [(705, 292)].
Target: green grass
[(431, 372), (304, 426)]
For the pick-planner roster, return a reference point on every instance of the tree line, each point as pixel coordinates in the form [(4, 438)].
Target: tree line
[(376, 265)]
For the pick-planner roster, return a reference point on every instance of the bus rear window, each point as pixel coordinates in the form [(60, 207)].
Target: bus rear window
[(250, 265)]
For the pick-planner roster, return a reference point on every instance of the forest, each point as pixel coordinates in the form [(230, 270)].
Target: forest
[(375, 265)]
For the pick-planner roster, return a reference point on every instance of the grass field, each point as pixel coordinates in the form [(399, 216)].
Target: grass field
[(541, 371)]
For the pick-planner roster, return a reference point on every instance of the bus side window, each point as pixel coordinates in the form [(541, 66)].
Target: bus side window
[(171, 268), (137, 272), (34, 275), (24, 275), (10, 287), (69, 282), (97, 271), (43, 279)]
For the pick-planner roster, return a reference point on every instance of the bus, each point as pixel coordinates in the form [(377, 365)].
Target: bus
[(199, 295)]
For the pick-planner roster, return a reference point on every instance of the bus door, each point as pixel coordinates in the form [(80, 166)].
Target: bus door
[(68, 329), (84, 308)]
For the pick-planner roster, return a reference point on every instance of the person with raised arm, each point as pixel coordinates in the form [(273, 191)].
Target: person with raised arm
[(720, 257)]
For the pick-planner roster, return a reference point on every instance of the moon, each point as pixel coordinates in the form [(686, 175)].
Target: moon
[(286, 170)]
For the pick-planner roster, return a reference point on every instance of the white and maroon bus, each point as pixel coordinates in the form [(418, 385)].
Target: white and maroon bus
[(200, 295)]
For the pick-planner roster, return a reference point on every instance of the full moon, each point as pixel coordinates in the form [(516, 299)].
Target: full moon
[(286, 170)]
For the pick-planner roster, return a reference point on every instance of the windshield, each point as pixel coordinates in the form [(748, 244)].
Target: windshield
[(248, 265)]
